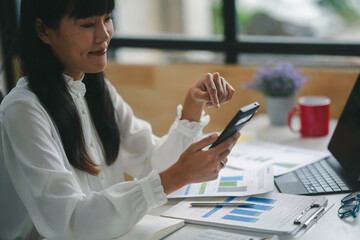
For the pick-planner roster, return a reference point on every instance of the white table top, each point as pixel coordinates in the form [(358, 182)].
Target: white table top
[(327, 227)]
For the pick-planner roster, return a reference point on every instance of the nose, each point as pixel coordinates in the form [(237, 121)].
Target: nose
[(102, 33)]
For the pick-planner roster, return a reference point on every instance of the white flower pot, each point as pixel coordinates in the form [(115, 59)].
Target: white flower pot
[(278, 108)]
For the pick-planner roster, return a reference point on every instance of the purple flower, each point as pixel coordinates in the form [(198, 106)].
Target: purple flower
[(282, 79)]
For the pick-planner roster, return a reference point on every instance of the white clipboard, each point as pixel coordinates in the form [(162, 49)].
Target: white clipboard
[(274, 213)]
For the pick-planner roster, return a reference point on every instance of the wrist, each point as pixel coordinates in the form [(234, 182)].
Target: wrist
[(192, 109), (173, 179)]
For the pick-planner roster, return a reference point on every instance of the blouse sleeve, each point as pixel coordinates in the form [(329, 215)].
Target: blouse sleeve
[(140, 150), (50, 190)]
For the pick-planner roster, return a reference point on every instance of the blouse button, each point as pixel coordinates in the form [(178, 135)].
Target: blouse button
[(83, 111)]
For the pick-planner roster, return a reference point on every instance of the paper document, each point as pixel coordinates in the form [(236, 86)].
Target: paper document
[(222, 235), (153, 228), (273, 213), (284, 158), (253, 180)]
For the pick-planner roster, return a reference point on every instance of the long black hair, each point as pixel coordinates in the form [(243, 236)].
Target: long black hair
[(44, 75)]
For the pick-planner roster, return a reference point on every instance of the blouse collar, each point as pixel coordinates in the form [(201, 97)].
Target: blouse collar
[(77, 88)]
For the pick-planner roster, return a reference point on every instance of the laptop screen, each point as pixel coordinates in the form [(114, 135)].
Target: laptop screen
[(345, 142)]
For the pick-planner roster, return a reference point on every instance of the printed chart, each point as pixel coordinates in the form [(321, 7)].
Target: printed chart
[(249, 214), (284, 158), (232, 182), (270, 212)]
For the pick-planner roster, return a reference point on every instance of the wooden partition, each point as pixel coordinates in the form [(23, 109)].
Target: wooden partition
[(154, 91)]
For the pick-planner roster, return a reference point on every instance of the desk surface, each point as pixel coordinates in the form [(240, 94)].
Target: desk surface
[(328, 227)]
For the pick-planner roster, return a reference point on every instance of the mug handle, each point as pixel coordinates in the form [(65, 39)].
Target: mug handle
[(291, 114)]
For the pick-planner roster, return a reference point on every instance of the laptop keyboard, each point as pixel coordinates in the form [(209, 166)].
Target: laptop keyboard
[(319, 177)]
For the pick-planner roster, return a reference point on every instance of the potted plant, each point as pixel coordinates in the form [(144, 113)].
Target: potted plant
[(279, 83)]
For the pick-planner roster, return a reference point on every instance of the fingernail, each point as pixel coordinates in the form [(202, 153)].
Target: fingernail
[(213, 136)]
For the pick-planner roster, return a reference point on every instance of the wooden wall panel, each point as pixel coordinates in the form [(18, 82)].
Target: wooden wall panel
[(154, 91)]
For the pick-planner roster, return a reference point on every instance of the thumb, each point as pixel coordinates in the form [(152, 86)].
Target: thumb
[(197, 146), (201, 95)]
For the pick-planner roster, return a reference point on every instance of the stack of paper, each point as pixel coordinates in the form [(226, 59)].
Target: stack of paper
[(153, 228)]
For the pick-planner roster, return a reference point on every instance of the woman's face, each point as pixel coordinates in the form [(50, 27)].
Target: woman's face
[(81, 44)]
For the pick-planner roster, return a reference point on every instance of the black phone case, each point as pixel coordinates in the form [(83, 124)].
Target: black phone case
[(232, 128)]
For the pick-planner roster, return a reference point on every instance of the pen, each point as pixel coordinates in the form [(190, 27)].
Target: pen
[(216, 204)]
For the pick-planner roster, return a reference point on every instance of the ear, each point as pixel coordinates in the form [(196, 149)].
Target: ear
[(41, 31)]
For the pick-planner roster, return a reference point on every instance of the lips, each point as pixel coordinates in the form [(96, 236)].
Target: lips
[(98, 53)]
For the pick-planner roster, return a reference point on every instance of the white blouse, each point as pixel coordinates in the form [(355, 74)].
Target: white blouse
[(42, 195)]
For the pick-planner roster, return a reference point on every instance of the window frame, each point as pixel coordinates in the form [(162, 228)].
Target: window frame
[(231, 45)]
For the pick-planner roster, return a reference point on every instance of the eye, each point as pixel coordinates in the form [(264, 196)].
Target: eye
[(88, 25), (108, 19)]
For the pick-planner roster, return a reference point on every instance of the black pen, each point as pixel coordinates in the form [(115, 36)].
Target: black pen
[(216, 204)]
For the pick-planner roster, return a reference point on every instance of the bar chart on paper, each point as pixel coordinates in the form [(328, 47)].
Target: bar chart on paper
[(249, 214), (271, 213), (231, 183), (226, 184)]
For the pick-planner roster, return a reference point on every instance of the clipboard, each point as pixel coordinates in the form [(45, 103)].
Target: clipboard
[(272, 213)]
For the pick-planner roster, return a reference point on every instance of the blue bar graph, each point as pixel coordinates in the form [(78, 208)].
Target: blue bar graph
[(229, 199), (231, 178), (212, 211), (187, 189), (240, 218), (245, 212), (261, 200), (258, 207)]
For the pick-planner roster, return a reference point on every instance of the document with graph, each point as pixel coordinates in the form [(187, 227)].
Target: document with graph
[(284, 158), (276, 213), (231, 182)]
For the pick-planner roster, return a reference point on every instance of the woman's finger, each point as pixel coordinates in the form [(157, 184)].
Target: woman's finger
[(197, 146), (231, 92), (201, 95), (212, 91), (219, 86), (223, 163), (223, 149), (225, 96)]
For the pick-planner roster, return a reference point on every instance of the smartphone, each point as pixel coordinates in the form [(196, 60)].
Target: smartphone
[(238, 122)]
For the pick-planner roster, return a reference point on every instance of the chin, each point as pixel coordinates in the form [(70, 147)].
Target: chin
[(96, 68)]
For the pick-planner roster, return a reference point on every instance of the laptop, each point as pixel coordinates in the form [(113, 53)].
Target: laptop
[(339, 172)]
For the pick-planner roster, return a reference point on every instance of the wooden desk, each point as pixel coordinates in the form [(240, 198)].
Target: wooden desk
[(328, 227)]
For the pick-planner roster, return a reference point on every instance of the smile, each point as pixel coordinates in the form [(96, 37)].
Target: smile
[(99, 53)]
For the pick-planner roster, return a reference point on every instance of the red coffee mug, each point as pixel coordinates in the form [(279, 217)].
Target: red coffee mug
[(314, 116)]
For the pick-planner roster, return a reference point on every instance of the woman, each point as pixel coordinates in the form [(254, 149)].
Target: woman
[(67, 136)]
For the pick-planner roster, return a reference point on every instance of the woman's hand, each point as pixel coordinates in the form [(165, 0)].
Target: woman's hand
[(212, 90), (198, 165)]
